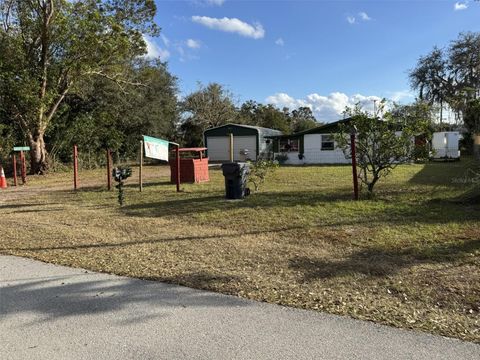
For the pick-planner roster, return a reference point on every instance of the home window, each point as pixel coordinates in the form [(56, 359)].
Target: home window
[(288, 145), (327, 142)]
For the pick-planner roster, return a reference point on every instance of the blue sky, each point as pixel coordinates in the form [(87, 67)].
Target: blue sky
[(322, 54)]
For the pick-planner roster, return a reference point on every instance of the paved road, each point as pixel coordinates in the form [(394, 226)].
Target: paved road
[(51, 312)]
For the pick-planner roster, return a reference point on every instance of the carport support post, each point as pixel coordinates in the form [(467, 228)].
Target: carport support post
[(231, 147), (140, 170), (14, 159), (109, 170), (354, 166), (75, 167)]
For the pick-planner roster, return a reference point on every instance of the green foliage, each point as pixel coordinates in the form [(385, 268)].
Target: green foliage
[(281, 158), (209, 106), (450, 76), (103, 117), (51, 48), (381, 145), (260, 170), (120, 174)]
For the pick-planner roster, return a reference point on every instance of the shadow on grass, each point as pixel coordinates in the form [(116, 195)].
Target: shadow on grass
[(381, 262), (374, 212), (201, 204), (145, 242), (85, 294), (445, 174)]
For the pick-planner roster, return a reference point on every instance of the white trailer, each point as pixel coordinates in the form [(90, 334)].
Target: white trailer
[(445, 145)]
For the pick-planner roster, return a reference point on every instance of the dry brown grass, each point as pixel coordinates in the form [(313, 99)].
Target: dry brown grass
[(410, 258)]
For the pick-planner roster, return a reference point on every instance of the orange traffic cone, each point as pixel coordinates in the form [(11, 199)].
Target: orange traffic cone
[(3, 180)]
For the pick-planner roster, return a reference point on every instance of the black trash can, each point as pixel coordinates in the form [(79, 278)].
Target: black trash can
[(236, 176)]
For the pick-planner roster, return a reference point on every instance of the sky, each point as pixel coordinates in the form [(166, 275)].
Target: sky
[(322, 54)]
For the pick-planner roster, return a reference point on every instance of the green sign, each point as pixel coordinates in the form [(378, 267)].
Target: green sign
[(155, 148), (21, 148)]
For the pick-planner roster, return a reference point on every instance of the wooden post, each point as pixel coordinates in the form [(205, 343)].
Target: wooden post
[(109, 170), (354, 166), (75, 167), (140, 171), (24, 168), (231, 147), (177, 154), (15, 181)]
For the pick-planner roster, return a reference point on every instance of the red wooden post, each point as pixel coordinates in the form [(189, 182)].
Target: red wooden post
[(75, 167), (177, 153), (15, 181), (24, 168), (354, 166), (109, 170), (140, 169)]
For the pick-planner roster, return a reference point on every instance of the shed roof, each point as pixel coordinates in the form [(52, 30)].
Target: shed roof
[(259, 128)]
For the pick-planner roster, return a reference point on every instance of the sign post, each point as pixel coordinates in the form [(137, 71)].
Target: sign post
[(14, 159), (24, 167), (23, 164), (140, 171)]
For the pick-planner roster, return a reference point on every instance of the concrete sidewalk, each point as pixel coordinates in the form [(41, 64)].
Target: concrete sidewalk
[(52, 312)]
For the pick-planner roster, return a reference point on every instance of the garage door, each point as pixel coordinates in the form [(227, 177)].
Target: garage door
[(241, 143), (218, 147)]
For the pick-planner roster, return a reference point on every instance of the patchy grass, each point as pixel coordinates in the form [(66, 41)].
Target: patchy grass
[(409, 258)]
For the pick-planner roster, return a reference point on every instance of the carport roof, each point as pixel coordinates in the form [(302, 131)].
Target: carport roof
[(259, 128)]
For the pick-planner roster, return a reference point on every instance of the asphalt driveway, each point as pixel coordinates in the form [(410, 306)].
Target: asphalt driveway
[(52, 312)]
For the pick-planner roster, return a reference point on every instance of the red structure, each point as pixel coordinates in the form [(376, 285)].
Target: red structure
[(193, 166)]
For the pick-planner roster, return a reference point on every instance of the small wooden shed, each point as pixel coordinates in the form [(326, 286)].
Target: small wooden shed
[(193, 166)]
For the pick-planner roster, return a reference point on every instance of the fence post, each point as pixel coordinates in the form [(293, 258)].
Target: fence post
[(140, 170), (354, 166), (14, 159), (75, 167), (109, 170)]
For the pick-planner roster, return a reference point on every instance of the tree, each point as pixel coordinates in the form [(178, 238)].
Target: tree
[(381, 144), (303, 119), (209, 106), (450, 76), (256, 114), (50, 47)]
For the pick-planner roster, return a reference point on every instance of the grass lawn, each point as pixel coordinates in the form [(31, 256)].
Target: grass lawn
[(410, 258)]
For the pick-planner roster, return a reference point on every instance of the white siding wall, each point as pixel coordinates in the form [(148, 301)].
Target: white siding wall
[(313, 154)]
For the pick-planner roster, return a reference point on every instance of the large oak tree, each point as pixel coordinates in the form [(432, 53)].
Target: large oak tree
[(50, 47)]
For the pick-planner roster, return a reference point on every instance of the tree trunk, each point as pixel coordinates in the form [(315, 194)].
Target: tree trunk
[(38, 154)]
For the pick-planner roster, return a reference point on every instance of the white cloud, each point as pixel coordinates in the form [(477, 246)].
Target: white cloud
[(232, 25), (364, 16), (399, 96), (193, 44), (154, 51), (351, 19), (165, 40), (460, 6), (214, 2), (325, 108), (280, 42)]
